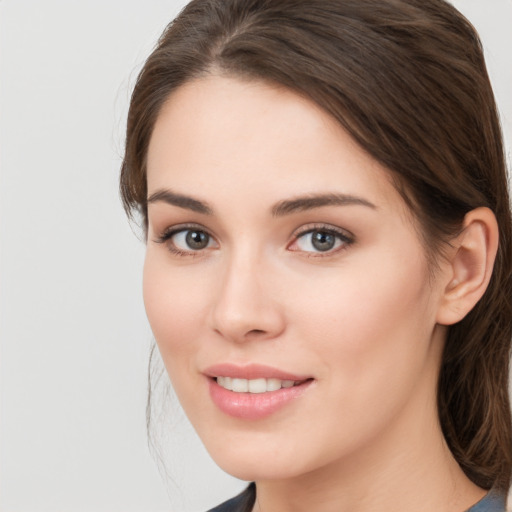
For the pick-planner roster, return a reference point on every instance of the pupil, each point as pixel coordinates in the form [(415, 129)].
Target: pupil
[(197, 239), (323, 241)]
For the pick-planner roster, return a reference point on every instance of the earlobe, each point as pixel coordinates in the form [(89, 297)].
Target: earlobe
[(470, 266)]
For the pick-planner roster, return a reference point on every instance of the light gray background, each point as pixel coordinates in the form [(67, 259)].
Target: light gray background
[(74, 338)]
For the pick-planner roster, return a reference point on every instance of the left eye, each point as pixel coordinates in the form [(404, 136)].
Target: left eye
[(191, 240), (320, 241)]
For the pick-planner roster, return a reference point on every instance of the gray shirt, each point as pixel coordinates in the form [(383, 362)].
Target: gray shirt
[(493, 501)]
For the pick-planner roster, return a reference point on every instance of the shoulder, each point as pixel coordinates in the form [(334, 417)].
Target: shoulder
[(241, 503)]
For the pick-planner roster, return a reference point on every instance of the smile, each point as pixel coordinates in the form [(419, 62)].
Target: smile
[(256, 396), (261, 385)]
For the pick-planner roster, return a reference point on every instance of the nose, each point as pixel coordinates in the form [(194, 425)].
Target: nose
[(245, 306)]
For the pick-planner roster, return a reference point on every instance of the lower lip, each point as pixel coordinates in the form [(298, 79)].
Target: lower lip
[(254, 406)]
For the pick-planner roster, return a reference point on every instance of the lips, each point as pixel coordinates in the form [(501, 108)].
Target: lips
[(253, 391), (252, 371)]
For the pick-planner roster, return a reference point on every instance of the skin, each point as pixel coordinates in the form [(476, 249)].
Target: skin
[(363, 320)]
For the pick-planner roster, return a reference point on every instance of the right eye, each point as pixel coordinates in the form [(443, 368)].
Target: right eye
[(191, 239), (185, 241)]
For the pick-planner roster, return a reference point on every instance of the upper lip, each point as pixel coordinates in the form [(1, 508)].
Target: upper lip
[(251, 371)]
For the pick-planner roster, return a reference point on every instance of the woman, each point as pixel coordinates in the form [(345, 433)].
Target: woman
[(328, 266)]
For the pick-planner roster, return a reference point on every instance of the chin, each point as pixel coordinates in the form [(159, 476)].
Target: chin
[(257, 469), (257, 457)]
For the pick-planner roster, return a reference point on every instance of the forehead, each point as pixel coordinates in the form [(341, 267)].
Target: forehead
[(224, 138)]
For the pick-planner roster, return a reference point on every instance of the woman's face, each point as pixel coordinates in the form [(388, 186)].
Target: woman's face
[(281, 262)]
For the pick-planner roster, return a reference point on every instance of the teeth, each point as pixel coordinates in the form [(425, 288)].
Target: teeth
[(225, 382), (274, 384), (253, 385), (257, 386), (240, 385)]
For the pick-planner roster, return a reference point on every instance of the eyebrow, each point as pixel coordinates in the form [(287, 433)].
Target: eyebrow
[(310, 202), (282, 208), (180, 200)]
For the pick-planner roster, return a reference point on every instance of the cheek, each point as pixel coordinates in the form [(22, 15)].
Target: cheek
[(370, 323), (173, 303), (369, 334)]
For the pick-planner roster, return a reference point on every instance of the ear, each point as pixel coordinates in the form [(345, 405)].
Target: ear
[(469, 266)]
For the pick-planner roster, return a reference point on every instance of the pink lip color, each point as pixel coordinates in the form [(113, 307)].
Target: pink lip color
[(253, 406), (251, 371)]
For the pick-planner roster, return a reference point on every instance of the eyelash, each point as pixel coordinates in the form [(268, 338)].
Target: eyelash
[(165, 238), (343, 236)]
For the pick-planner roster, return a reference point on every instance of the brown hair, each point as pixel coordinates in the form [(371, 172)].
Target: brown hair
[(407, 80)]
